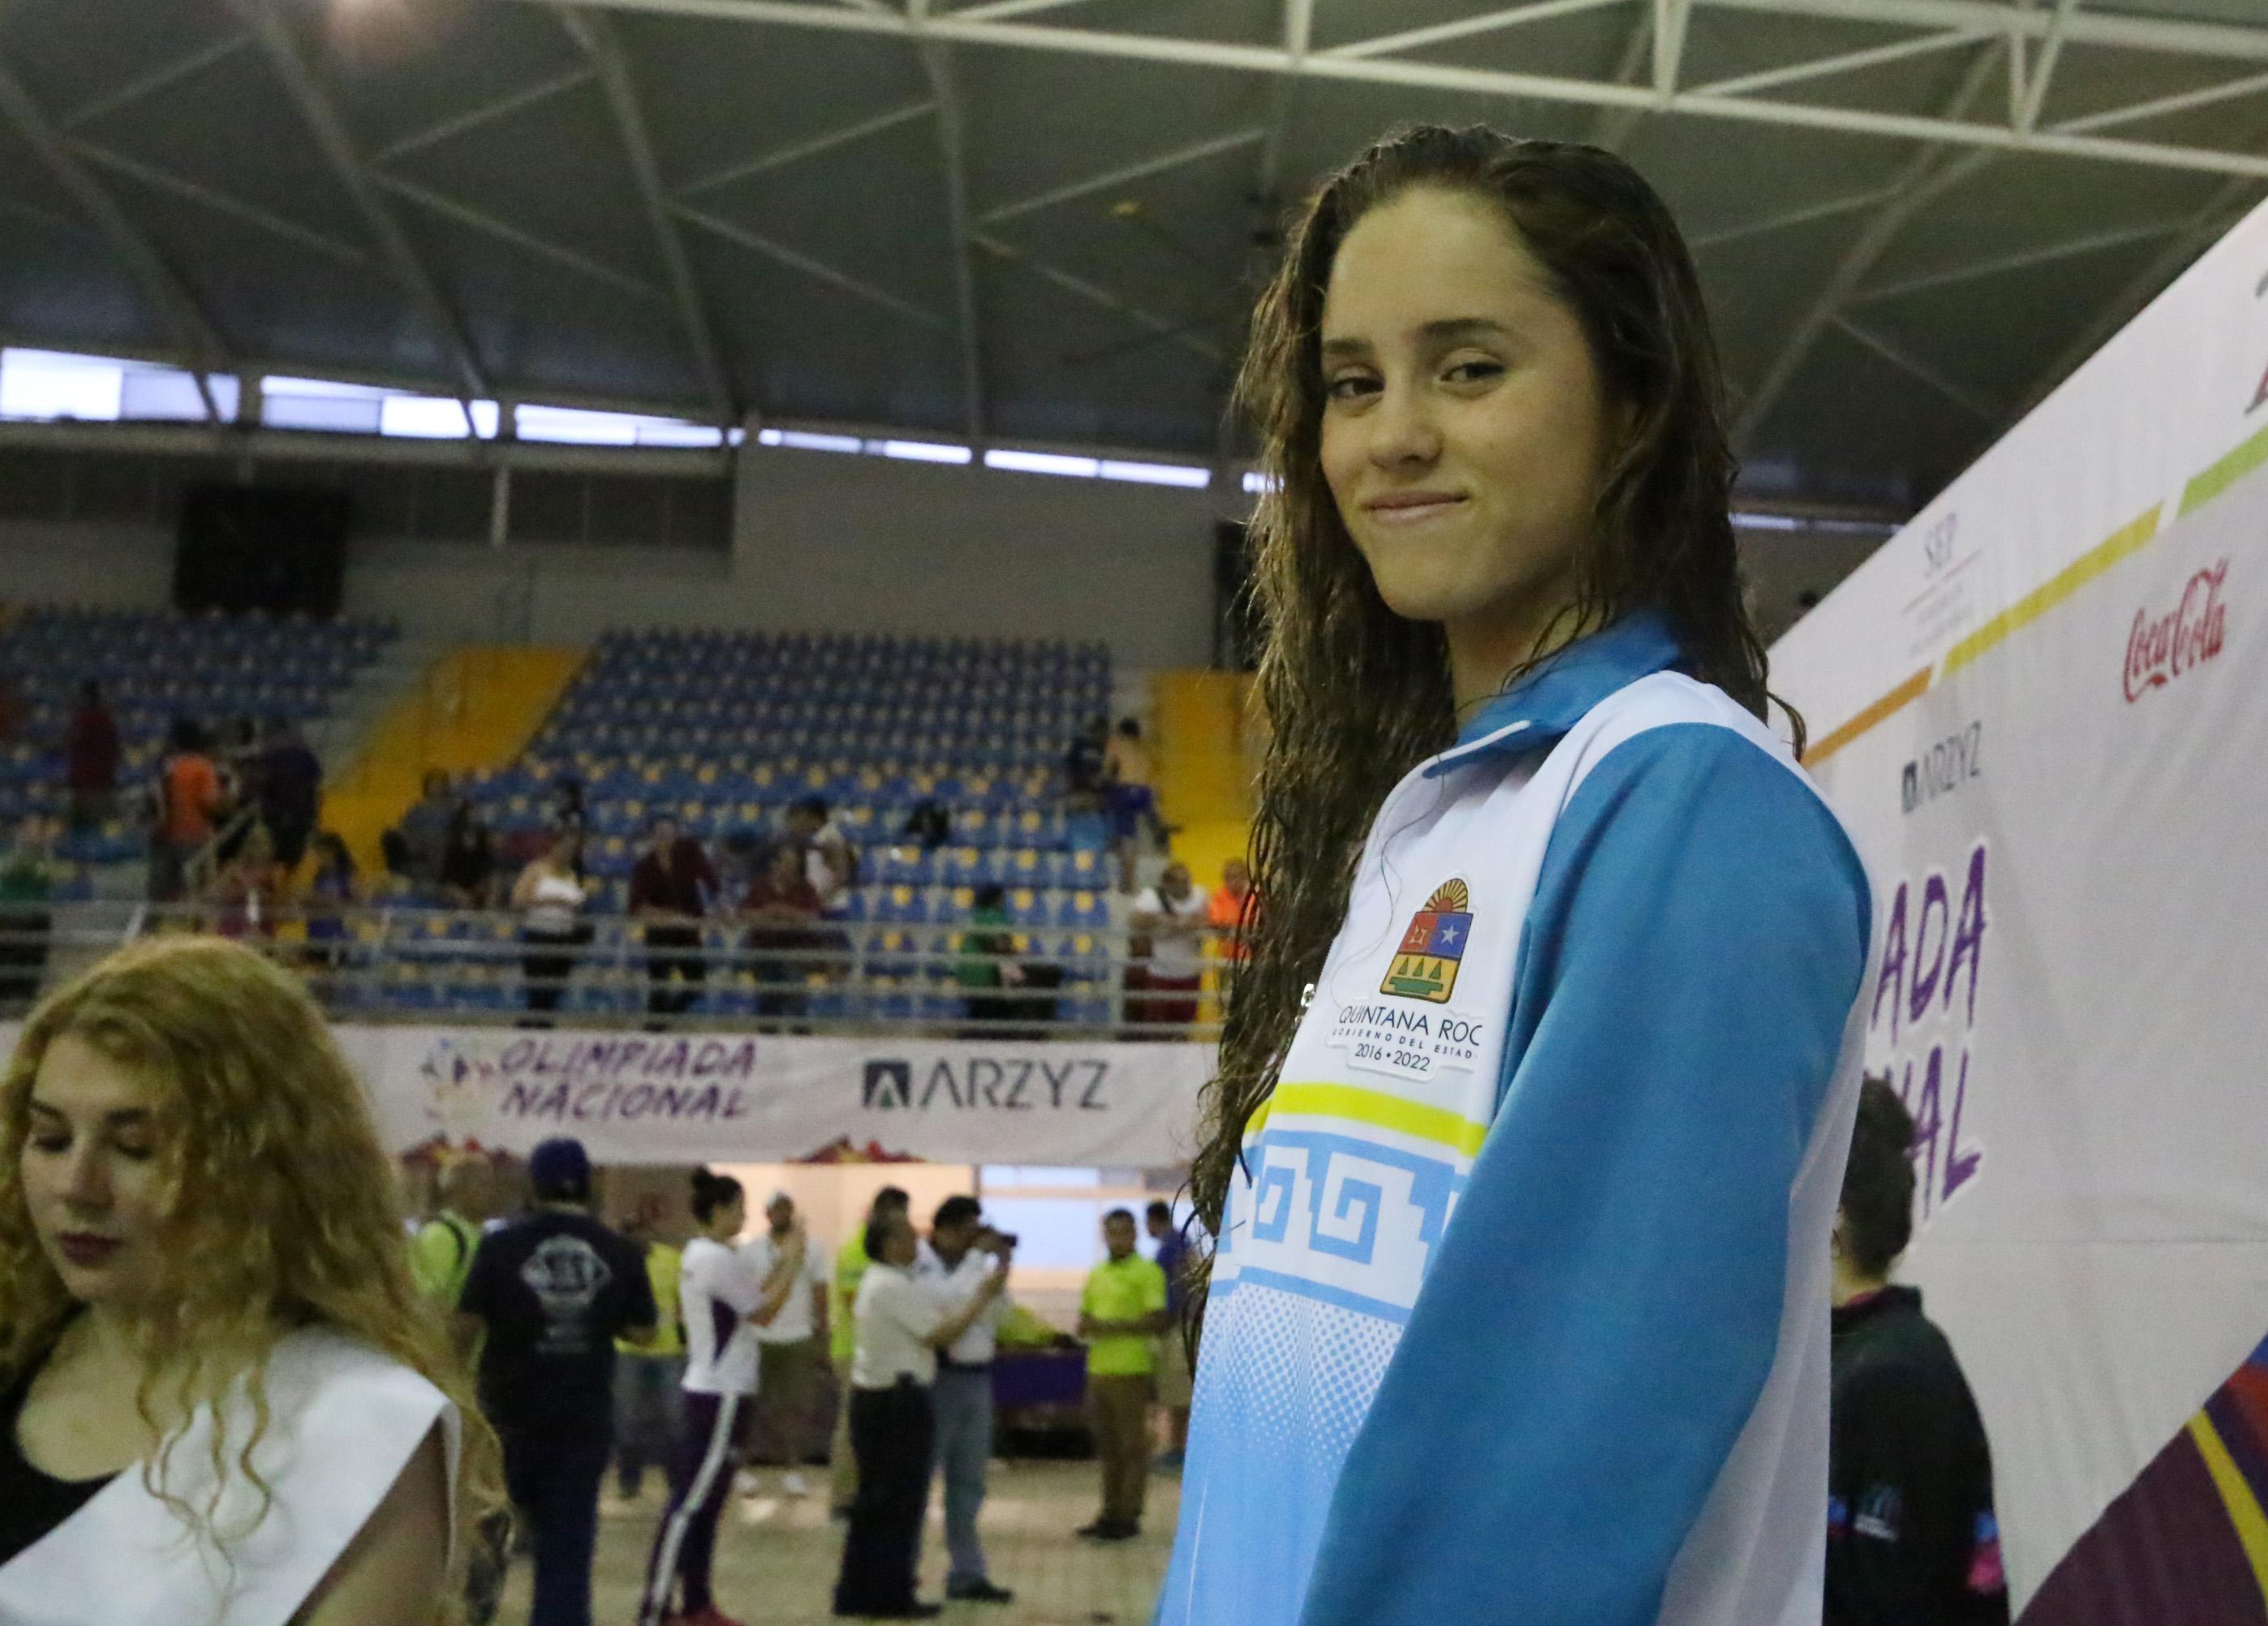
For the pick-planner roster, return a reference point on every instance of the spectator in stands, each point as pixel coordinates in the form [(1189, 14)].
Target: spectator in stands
[(1911, 1532), (901, 1327), (781, 909), (332, 891), (670, 892), (425, 829), (91, 756), (568, 810), (468, 862), (1083, 764), (1232, 901), (961, 1255), (27, 881), (549, 900), (791, 1347), (1174, 1378), (1132, 798), (987, 964), (248, 889), (190, 797), (553, 1291), (850, 1263), (1174, 915), (240, 771), (929, 826), (291, 781), (1121, 1312), (829, 858)]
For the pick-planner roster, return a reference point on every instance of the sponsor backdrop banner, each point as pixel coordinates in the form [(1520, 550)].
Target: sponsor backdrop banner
[(2043, 709), (655, 1098)]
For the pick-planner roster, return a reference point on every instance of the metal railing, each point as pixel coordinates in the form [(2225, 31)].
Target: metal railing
[(408, 964)]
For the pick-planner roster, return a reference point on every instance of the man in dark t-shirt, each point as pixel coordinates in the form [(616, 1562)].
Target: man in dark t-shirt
[(553, 1291), (670, 891)]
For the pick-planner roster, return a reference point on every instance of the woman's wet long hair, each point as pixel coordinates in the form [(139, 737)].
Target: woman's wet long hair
[(1354, 694)]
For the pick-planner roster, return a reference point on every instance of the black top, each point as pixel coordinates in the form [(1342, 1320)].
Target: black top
[(555, 1289), (1911, 1536), (32, 1504)]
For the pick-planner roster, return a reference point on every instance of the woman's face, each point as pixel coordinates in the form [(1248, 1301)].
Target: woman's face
[(732, 1218), (902, 1248), (1464, 424), (92, 1174)]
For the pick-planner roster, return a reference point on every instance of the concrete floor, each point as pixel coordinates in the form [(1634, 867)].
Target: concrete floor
[(776, 1556)]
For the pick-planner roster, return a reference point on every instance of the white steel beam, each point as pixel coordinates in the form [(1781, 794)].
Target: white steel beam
[(1803, 215), (473, 118), (1462, 28), (595, 33), (157, 80), (1612, 127), (1670, 18), (168, 295), (221, 202), (2228, 90), (2229, 39), (1284, 96), (2180, 37), (1106, 182), (1898, 356), (504, 230), (1926, 175), (796, 151), (1952, 276), (337, 146), (1847, 62), (1011, 8), (2043, 72), (944, 89), (755, 242), (1174, 333)]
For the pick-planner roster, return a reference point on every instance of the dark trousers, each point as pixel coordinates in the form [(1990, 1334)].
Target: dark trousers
[(893, 1431), (700, 1483), (546, 973), (688, 963), (555, 1488)]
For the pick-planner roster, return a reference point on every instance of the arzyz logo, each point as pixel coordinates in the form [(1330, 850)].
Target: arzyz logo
[(888, 1084), (1952, 763), (1000, 1083)]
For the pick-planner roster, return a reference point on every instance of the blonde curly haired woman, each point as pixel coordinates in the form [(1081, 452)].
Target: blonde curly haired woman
[(207, 1324)]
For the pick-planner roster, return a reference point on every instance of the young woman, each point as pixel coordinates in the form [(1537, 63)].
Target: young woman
[(1524, 1151), (549, 897), (221, 1397), (723, 1303)]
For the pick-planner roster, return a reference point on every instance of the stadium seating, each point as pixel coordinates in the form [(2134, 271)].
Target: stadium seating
[(155, 666)]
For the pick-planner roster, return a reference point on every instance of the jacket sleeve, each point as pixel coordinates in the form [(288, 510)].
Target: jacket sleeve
[(1603, 1309)]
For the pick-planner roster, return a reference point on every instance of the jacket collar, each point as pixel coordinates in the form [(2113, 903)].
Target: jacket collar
[(1551, 700)]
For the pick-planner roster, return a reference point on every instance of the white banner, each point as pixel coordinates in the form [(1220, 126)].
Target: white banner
[(2043, 709)]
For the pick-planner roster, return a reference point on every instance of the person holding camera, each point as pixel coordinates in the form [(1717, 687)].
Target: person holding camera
[(902, 1325), (961, 1255)]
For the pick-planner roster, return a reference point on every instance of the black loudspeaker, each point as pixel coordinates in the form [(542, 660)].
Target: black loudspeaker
[(278, 548)]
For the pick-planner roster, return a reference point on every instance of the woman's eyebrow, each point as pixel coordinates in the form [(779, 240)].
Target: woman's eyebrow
[(1442, 330)]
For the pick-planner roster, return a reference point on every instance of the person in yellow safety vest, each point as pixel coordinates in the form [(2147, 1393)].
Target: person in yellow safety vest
[(851, 1262), (649, 1377), (441, 1253)]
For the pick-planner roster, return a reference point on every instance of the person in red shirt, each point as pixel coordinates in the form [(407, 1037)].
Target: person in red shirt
[(91, 758), (191, 798), (781, 909), (670, 891)]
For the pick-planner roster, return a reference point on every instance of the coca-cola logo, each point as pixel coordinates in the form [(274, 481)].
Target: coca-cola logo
[(2162, 647)]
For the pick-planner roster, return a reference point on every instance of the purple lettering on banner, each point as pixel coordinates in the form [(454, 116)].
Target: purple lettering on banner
[(735, 1106), (554, 1104), (708, 1058), (1929, 1124), (520, 1099), (670, 1098), (1894, 966), (543, 1062), (704, 1105), (515, 1054), (583, 1096), (600, 1056), (631, 1051), (743, 1063), (1922, 985), (1960, 1166), (635, 1103), (670, 1059), (1969, 936)]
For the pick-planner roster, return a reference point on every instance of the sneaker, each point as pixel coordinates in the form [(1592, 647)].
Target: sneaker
[(979, 1590), (1110, 1530), (792, 1483)]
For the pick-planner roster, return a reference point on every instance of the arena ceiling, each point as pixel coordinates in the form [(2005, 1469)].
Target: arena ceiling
[(1040, 221)]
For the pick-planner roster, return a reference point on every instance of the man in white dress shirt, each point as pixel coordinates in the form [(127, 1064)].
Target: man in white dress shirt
[(960, 1253), (793, 1347)]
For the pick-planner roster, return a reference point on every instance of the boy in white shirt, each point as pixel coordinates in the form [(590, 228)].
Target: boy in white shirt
[(962, 1253)]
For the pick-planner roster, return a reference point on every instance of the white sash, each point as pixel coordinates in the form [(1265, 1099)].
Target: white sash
[(343, 1422)]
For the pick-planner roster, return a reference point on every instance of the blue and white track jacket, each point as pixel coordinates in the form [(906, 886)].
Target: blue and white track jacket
[(1520, 1312)]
